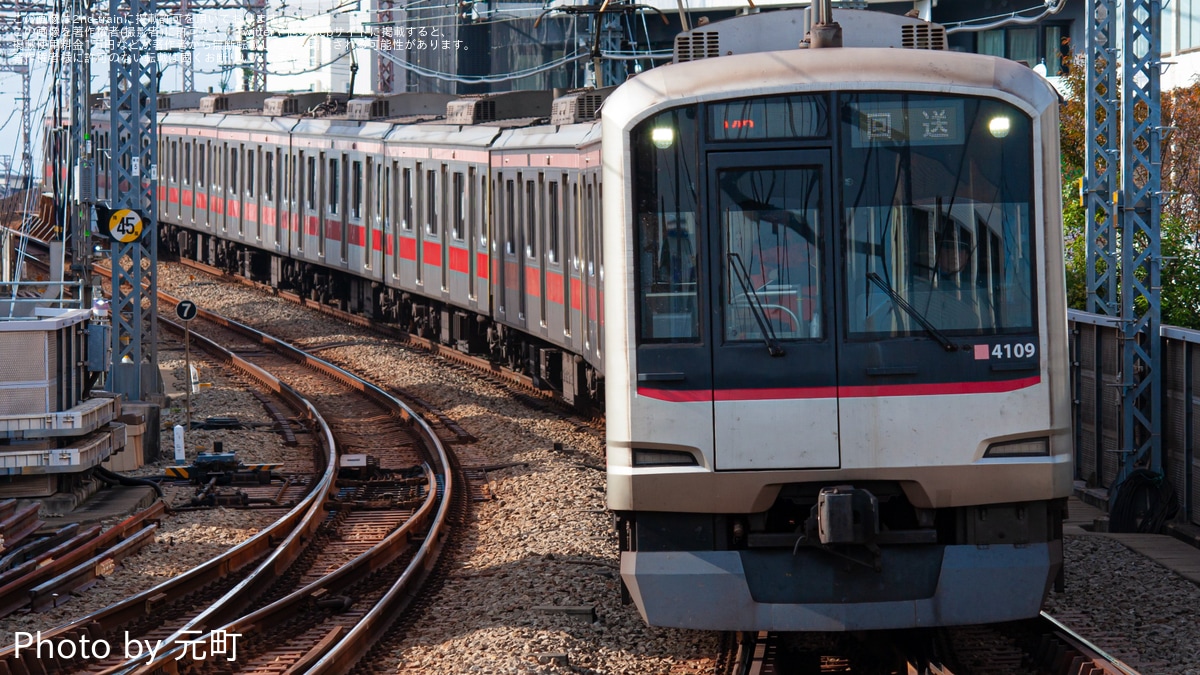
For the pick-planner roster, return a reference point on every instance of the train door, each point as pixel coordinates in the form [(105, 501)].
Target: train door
[(560, 202), (505, 267), (542, 257), (199, 196), (774, 364), (472, 200), (253, 206), (351, 191), (527, 213), (418, 230), (531, 263), (377, 191), (591, 243), (233, 203), (449, 219), (221, 186)]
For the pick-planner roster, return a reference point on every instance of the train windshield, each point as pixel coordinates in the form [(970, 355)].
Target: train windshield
[(937, 197)]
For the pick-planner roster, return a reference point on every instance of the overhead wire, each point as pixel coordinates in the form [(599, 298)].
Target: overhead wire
[(1051, 7), (425, 72)]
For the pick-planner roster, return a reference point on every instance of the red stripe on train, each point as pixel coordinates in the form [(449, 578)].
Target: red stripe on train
[(460, 259), (554, 287), (481, 265), (408, 248), (433, 252), (873, 391)]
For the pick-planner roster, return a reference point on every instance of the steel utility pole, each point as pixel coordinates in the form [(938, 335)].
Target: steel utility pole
[(1124, 205), (133, 180), (79, 152)]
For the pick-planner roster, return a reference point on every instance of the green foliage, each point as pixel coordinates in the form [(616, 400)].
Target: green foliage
[(1180, 273), (1074, 243)]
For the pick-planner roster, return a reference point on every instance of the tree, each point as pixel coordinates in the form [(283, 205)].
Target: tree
[(1180, 221)]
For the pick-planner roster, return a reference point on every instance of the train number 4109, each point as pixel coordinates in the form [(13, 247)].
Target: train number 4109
[(1020, 350)]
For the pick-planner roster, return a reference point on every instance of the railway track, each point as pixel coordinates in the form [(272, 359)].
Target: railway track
[(523, 385), (39, 573), (386, 526), (370, 536), (1039, 646)]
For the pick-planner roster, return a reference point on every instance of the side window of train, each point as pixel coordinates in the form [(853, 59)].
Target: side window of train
[(250, 176), (590, 215), (215, 158), (234, 153), (458, 196), (577, 220), (406, 198), (665, 228), (599, 228), (431, 202), (481, 216), (531, 213), (381, 191), (310, 172), (201, 164), (334, 186), (510, 218), (269, 176), (289, 179), (356, 200), (553, 208), (187, 163)]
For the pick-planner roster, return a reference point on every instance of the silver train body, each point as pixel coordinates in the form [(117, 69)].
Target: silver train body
[(803, 433), (483, 235), (837, 356)]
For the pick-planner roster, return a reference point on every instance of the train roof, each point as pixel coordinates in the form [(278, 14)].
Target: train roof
[(550, 136), (518, 119), (844, 68)]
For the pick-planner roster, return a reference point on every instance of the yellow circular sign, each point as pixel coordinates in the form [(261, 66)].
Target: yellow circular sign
[(125, 226)]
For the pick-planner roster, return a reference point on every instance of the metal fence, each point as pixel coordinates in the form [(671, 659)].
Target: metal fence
[(22, 299), (1095, 385)]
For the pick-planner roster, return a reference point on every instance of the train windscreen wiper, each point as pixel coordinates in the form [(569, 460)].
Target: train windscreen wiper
[(760, 315), (912, 311)]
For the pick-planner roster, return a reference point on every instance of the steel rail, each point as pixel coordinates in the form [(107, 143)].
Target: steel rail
[(341, 655), (294, 528)]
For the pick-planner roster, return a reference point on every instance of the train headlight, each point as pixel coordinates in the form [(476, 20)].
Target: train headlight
[(999, 126), (662, 137), (663, 458), (1026, 447)]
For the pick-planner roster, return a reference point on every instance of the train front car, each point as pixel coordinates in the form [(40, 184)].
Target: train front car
[(839, 397)]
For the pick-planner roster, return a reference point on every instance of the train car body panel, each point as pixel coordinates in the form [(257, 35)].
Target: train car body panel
[(438, 181), (537, 172)]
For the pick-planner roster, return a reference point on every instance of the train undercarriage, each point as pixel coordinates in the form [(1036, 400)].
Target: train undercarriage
[(548, 366)]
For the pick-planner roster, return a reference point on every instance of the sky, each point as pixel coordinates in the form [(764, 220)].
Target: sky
[(211, 31)]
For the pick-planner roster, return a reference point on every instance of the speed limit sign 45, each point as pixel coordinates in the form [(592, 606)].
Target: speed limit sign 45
[(125, 226)]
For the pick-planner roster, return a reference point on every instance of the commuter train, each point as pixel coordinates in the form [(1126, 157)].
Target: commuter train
[(823, 300)]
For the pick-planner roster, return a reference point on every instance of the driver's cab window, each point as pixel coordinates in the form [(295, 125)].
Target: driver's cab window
[(768, 221), (665, 227), (938, 205)]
